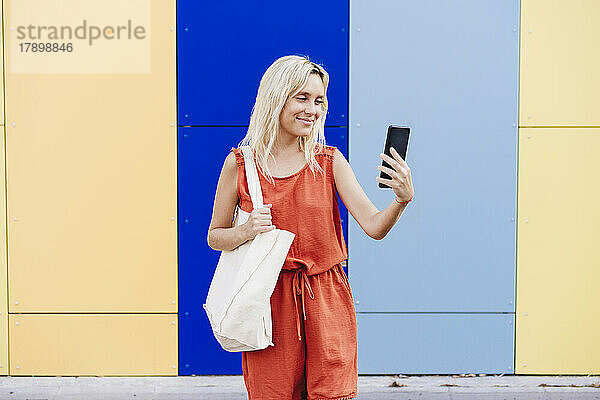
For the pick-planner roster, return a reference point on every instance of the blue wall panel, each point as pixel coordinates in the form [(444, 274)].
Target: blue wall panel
[(202, 151), (201, 155), (449, 70), (435, 343), (224, 47)]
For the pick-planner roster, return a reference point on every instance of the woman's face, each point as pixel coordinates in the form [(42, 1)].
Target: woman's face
[(301, 111)]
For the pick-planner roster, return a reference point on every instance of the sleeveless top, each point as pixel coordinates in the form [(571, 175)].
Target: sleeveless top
[(305, 205)]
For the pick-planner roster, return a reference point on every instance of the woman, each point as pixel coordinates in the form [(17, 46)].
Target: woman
[(314, 355)]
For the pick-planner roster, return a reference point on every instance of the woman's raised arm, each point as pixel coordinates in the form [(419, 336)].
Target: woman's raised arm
[(375, 223)]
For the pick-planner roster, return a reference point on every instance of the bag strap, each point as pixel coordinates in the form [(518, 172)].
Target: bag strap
[(252, 177)]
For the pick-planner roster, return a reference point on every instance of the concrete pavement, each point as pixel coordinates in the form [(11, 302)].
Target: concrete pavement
[(389, 387)]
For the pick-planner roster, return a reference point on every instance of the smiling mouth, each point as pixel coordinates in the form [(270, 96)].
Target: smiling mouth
[(305, 121)]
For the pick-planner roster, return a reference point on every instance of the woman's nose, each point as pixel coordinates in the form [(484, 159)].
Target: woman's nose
[(311, 109)]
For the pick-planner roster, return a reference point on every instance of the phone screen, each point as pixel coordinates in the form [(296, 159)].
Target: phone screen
[(397, 137)]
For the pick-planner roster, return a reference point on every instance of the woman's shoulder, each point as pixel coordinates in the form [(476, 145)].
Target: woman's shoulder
[(239, 156), (326, 151)]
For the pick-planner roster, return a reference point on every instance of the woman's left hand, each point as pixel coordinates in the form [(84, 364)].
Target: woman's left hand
[(401, 181)]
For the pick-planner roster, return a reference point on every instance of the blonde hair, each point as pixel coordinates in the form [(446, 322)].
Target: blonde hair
[(281, 81)]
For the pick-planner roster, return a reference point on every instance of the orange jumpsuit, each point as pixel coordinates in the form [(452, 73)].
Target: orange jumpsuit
[(314, 356)]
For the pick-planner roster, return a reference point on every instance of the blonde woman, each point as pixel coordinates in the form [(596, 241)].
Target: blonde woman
[(314, 355)]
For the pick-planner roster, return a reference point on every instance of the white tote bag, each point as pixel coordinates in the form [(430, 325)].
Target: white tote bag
[(238, 302)]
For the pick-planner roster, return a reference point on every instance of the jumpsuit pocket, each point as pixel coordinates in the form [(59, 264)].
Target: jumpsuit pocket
[(345, 280)]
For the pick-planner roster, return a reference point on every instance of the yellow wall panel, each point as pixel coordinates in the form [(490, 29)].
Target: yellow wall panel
[(3, 268), (559, 79), (92, 185), (558, 257), (1, 65), (80, 344)]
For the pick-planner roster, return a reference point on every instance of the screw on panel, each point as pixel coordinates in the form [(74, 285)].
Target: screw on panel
[(528, 136), (14, 124), (357, 29), (12, 29), (530, 31), (172, 322), (185, 29), (526, 221), (343, 29), (514, 125), (529, 117), (525, 314), (509, 367), (16, 302), (172, 301), (172, 29), (172, 124), (512, 219), (17, 323), (514, 28), (174, 366), (357, 301), (510, 322), (510, 302), (358, 125), (172, 218)]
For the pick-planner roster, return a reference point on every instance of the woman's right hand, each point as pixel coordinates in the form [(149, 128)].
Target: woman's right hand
[(259, 221)]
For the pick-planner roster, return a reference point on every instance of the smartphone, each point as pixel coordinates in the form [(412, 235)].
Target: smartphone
[(397, 137)]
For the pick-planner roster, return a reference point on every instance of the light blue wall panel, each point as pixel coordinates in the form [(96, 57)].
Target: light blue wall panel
[(448, 69), (435, 343)]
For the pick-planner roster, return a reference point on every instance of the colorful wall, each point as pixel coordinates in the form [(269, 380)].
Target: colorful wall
[(109, 182)]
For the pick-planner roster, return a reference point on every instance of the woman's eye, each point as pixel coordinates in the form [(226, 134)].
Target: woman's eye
[(304, 99)]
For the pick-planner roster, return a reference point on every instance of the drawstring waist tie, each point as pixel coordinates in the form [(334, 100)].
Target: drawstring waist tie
[(300, 283)]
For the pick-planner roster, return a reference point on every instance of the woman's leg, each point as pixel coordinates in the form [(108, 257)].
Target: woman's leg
[(277, 372), (331, 344)]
